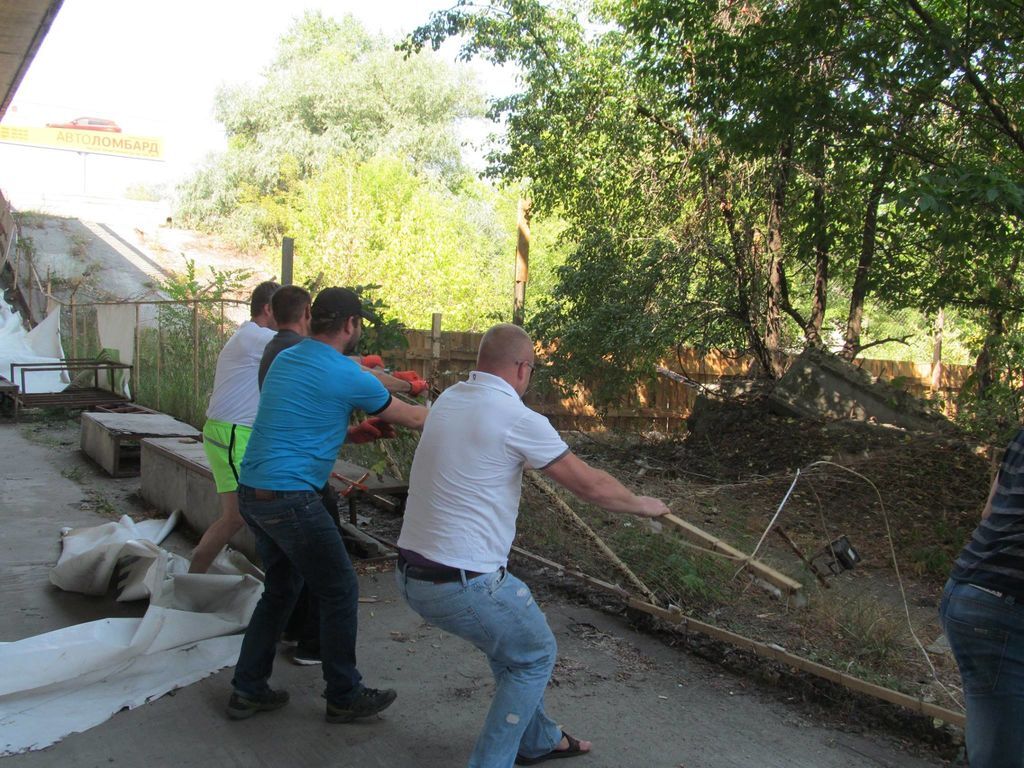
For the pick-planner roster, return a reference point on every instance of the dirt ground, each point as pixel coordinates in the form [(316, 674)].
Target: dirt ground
[(907, 511)]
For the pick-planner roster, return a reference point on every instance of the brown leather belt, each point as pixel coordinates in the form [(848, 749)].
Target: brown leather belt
[(438, 574)]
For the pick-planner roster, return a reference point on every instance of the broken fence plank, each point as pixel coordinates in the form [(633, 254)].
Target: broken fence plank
[(677, 618), (782, 581)]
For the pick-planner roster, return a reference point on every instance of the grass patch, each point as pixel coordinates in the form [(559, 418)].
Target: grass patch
[(76, 473), (867, 631)]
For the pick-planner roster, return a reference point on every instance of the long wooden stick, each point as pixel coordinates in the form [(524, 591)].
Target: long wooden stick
[(782, 581), (569, 512), (686, 623)]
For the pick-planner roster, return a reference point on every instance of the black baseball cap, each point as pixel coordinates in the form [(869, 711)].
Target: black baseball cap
[(337, 303)]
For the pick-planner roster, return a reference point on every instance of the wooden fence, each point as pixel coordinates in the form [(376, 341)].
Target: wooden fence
[(447, 357)]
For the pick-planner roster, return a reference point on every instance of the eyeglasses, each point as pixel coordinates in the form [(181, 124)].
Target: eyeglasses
[(528, 364)]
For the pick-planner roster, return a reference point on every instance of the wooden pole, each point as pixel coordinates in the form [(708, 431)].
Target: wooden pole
[(799, 553), (936, 379), (195, 355), (74, 327), (136, 367), (782, 581), (435, 351), (287, 259), (677, 618), (159, 358), (580, 523), (522, 262)]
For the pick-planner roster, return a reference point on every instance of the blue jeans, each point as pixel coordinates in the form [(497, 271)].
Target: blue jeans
[(496, 613), (298, 542), (986, 634)]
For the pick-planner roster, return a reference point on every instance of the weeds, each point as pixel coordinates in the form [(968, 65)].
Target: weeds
[(868, 631), (75, 473), (104, 506)]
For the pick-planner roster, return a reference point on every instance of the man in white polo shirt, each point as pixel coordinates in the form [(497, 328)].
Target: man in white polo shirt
[(460, 520), (229, 418)]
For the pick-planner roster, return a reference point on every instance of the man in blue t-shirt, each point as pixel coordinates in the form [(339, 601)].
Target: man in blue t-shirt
[(307, 399)]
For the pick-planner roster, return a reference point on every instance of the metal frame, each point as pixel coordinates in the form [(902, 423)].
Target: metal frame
[(74, 396)]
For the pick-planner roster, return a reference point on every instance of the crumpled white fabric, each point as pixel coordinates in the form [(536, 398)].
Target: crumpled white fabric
[(75, 678), (40, 345)]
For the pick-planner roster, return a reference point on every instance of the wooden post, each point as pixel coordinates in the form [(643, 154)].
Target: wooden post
[(435, 350), (936, 382), (74, 327), (522, 262), (195, 354), (136, 368), (159, 356), (287, 259)]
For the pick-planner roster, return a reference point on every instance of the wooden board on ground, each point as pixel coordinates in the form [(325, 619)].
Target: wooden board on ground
[(112, 439)]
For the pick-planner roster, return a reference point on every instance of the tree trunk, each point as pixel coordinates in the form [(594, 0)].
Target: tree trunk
[(869, 239), (822, 246), (776, 271), (742, 258), (984, 369)]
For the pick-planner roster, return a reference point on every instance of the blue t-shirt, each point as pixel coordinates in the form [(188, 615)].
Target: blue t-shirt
[(308, 395)]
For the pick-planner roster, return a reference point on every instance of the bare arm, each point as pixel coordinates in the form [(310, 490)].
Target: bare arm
[(403, 414), (598, 487), (391, 384)]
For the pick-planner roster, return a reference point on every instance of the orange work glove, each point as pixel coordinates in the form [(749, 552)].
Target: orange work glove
[(417, 386), (372, 361), (370, 430)]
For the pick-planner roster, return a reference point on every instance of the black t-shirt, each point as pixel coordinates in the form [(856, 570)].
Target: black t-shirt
[(275, 346)]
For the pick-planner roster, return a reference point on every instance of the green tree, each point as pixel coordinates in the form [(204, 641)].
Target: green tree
[(333, 89), (725, 169)]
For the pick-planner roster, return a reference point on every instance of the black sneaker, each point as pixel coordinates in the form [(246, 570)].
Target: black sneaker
[(306, 657), (370, 702), (240, 707)]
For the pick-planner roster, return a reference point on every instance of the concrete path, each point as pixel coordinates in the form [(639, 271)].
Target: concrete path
[(642, 703)]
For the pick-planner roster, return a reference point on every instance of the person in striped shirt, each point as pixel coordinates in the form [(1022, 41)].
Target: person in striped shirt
[(982, 614)]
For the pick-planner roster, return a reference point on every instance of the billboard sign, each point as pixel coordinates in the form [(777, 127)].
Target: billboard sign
[(78, 140)]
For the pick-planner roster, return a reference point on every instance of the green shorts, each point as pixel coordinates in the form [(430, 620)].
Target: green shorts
[(225, 446)]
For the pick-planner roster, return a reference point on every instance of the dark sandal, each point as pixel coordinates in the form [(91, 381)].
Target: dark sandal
[(555, 754)]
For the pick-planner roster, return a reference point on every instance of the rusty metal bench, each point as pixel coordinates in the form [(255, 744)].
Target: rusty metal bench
[(76, 395)]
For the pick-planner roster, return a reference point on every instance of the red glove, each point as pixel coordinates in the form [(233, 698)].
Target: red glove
[(370, 430), (417, 386), (372, 361)]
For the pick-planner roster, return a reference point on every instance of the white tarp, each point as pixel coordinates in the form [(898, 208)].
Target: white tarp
[(75, 678), (40, 345), (115, 324)]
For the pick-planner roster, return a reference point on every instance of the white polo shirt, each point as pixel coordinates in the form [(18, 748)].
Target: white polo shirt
[(467, 474), (236, 388)]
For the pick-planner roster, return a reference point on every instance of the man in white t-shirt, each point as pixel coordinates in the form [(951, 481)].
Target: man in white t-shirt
[(229, 418), (459, 524)]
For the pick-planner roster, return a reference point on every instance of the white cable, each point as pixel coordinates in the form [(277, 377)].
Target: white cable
[(899, 577)]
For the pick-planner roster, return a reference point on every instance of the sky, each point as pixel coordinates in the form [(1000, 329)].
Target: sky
[(154, 67)]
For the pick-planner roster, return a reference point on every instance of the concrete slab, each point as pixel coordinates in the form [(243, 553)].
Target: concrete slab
[(642, 702), (112, 439), (821, 385), (176, 475)]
